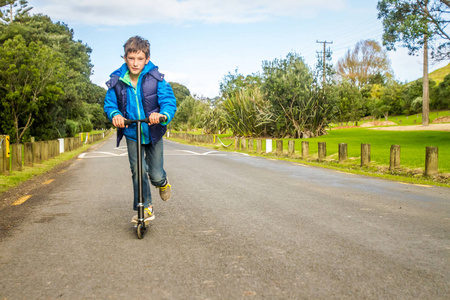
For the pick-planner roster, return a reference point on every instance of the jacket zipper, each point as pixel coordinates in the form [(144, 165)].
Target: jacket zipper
[(139, 113)]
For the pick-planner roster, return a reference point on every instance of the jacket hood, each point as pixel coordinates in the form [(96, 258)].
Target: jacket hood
[(124, 69)]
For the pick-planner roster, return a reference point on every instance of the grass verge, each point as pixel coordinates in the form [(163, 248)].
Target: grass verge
[(17, 177), (412, 143)]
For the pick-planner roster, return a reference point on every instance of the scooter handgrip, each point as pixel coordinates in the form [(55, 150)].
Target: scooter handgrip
[(162, 119), (129, 122)]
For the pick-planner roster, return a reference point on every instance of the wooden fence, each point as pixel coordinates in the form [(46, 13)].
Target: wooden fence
[(246, 144), (13, 157)]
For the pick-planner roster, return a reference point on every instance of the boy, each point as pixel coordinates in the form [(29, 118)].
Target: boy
[(136, 91)]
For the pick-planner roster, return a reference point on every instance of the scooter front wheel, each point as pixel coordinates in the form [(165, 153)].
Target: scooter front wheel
[(140, 230)]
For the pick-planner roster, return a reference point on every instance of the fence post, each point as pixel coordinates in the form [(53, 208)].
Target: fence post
[(243, 143), (365, 154), (51, 149), (268, 145), (431, 161), (3, 154), (16, 157), (342, 152), (279, 145), (322, 150), (305, 149), (291, 147), (28, 154), (8, 153), (250, 145), (61, 146), (44, 150), (36, 152), (56, 147), (259, 145), (394, 158), (237, 142)]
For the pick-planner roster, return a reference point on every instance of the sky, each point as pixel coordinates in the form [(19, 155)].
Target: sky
[(198, 42)]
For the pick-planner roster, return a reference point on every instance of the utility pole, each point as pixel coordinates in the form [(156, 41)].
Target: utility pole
[(426, 87), (324, 57)]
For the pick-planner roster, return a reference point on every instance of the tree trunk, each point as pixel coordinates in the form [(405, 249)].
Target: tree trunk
[(426, 93), (11, 13)]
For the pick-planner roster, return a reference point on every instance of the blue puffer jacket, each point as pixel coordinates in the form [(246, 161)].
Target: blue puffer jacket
[(137, 103)]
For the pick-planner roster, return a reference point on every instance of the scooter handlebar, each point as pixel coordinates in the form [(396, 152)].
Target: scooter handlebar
[(162, 119)]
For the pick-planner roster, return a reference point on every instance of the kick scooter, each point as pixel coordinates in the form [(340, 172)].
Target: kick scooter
[(141, 228)]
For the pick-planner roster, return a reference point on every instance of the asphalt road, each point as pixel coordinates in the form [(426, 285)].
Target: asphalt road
[(237, 227)]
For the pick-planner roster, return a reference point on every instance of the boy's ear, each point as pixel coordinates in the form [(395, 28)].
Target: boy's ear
[(148, 59)]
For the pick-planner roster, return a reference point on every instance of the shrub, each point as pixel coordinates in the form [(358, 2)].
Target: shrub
[(71, 128)]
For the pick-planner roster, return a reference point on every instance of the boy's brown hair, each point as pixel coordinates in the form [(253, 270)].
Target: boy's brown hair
[(136, 44)]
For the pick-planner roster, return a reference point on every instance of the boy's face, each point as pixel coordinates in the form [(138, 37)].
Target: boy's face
[(136, 62)]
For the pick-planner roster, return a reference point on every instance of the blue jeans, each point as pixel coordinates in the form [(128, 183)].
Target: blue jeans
[(152, 166)]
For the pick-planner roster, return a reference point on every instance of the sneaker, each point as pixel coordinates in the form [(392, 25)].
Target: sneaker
[(149, 215), (165, 192)]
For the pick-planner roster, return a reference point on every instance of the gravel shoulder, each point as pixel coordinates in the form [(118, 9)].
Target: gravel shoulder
[(432, 127)]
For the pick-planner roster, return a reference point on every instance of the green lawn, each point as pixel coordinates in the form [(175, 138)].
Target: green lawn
[(417, 118), (439, 74), (413, 144)]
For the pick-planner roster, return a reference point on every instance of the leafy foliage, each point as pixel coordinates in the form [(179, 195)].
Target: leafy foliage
[(28, 78), (301, 107), (442, 99), (180, 91), (246, 113), (45, 80), (350, 105), (10, 9), (408, 21)]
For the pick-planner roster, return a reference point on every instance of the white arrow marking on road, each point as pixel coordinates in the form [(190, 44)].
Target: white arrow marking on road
[(196, 153), (216, 153), (102, 154)]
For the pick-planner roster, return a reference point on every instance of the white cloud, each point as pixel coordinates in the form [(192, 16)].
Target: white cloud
[(182, 78), (196, 84), (119, 12)]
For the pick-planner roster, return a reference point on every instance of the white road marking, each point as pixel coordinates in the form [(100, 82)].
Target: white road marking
[(214, 153), (102, 154)]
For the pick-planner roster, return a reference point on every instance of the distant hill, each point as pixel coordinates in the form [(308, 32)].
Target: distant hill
[(439, 74)]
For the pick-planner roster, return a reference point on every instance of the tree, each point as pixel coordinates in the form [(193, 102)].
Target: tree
[(233, 83), (443, 94), (349, 105), (28, 78), (73, 77), (300, 106), (180, 91), (363, 63), (246, 113), (190, 114), (417, 24), (10, 9)]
